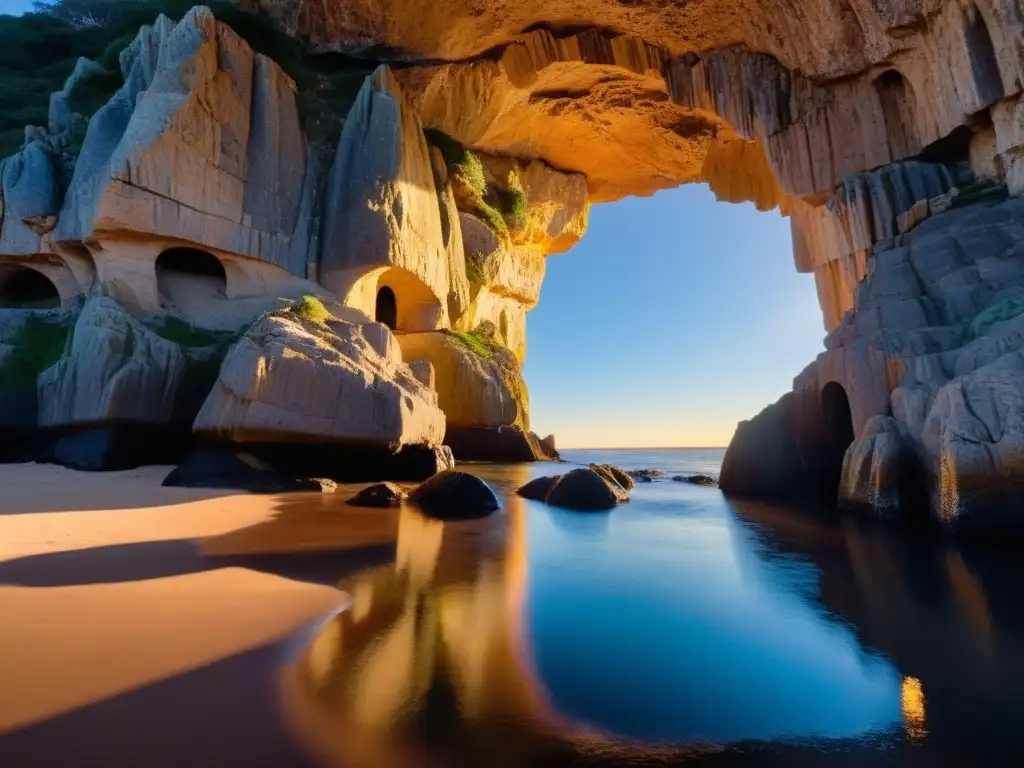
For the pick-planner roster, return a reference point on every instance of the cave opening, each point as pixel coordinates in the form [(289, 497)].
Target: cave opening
[(25, 288), (896, 97), (982, 55), (387, 308), (837, 433), (190, 274)]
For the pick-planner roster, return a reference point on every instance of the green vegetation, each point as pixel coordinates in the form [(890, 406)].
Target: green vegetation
[(38, 51), (184, 333), (474, 268), (978, 191), (312, 309), (499, 207), (37, 345)]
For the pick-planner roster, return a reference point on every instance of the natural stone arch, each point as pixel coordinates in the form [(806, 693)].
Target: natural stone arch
[(896, 97), (189, 274), (837, 432), (27, 288), (416, 307)]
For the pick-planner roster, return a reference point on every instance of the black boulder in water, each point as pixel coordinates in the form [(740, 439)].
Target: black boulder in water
[(379, 495), (695, 479), (453, 494), (539, 488), (586, 490)]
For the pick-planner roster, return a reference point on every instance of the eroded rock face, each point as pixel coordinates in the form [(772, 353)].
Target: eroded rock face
[(294, 380), (116, 370), (202, 143)]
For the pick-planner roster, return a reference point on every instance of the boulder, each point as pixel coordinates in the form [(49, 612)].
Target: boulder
[(877, 471), (645, 475), (454, 495), (586, 491), (614, 475), (116, 370), (219, 467), (539, 488), (379, 495), (293, 380)]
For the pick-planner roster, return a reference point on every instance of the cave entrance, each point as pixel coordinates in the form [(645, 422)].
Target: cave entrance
[(837, 432), (896, 97), (190, 275), (387, 308), (24, 288)]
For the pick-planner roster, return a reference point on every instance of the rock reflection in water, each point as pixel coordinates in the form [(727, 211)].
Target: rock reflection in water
[(433, 664)]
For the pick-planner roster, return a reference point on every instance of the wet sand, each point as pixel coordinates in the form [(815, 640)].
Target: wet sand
[(147, 625)]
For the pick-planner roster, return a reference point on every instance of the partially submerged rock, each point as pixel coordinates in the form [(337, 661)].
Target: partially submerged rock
[(220, 467), (614, 475), (645, 475), (586, 490), (695, 479), (454, 494), (539, 488), (380, 495)]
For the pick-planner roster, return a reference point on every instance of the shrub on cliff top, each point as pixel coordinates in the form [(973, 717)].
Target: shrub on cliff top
[(312, 309)]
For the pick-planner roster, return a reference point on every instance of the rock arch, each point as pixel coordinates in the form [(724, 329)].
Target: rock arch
[(27, 288), (398, 295), (187, 275)]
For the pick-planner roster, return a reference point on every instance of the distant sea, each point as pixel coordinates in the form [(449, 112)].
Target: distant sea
[(671, 461)]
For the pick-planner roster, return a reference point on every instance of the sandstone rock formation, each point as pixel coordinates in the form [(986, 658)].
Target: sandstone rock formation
[(290, 379)]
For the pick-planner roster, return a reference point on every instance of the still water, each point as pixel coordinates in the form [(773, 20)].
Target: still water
[(681, 627)]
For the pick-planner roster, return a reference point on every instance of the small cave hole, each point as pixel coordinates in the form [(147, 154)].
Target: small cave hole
[(837, 424), (190, 274), (387, 308), (27, 289)]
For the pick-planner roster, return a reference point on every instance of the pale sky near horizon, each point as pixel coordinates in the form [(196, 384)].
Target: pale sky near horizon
[(675, 317)]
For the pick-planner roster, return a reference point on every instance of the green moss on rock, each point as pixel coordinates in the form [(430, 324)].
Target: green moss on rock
[(37, 345)]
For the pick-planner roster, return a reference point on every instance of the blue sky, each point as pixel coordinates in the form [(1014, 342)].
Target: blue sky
[(15, 6), (675, 317)]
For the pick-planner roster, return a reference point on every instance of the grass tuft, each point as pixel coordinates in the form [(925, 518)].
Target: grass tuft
[(312, 309), (37, 345)]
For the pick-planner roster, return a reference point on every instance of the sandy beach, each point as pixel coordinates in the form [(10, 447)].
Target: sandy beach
[(147, 625)]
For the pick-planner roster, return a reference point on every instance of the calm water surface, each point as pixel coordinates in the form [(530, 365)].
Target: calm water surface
[(681, 627)]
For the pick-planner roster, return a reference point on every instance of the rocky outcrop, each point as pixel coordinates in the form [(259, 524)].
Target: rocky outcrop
[(379, 495), (117, 370), (290, 379), (928, 361), (201, 144), (383, 211), (583, 490)]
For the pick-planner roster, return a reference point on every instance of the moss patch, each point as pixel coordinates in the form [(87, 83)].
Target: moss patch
[(312, 309), (37, 345)]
